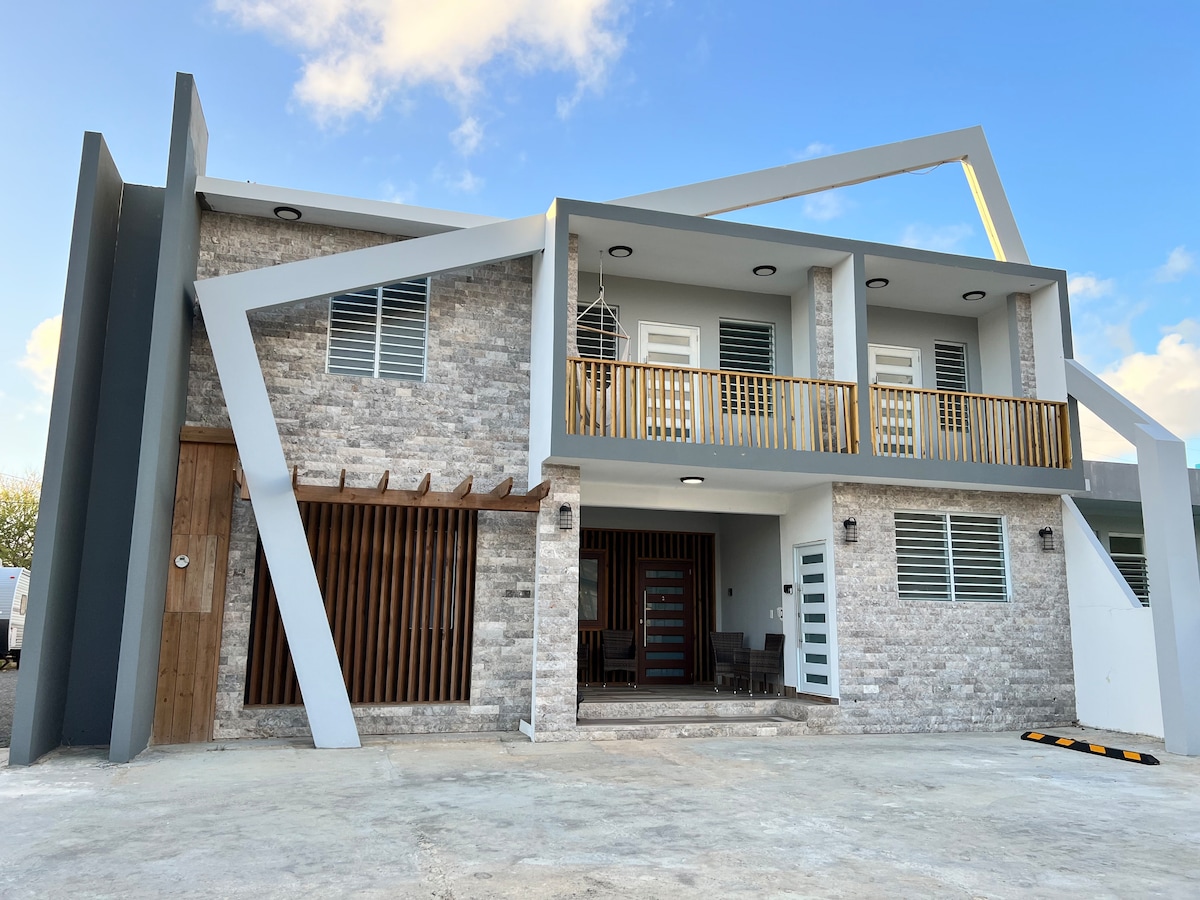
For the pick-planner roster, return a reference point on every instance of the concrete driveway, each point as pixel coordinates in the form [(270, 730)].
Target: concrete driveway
[(965, 815)]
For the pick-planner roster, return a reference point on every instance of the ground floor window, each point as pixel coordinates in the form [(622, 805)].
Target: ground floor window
[(399, 591), (950, 556)]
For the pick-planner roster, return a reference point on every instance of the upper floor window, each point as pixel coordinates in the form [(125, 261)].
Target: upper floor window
[(1128, 552), (747, 347), (597, 331), (950, 556), (380, 332)]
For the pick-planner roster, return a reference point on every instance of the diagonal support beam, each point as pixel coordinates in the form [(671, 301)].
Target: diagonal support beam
[(225, 302), (967, 146)]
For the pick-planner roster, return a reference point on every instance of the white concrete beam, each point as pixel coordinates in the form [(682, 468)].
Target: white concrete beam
[(810, 176), (225, 302)]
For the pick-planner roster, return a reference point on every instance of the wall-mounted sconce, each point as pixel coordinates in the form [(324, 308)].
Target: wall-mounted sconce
[(566, 517), (1047, 536), (851, 534)]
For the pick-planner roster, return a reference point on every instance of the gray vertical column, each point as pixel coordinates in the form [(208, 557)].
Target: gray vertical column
[(165, 403), (62, 519)]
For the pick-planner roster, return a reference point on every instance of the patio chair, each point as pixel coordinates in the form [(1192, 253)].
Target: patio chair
[(766, 664), (618, 654), (725, 645)]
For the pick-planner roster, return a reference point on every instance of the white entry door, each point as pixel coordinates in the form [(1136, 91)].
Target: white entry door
[(898, 423), (814, 611), (669, 394)]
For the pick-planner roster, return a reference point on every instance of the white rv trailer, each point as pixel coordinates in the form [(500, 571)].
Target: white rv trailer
[(14, 597)]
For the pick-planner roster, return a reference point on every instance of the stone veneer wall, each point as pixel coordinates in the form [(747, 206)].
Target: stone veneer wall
[(470, 417), (822, 300), (938, 666), (1028, 373)]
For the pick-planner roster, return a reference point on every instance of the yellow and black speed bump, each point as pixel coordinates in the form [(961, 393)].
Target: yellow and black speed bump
[(1084, 747)]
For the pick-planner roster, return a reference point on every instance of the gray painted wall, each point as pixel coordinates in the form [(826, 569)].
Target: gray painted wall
[(749, 553), (163, 415), (685, 304), (104, 566), (62, 519), (907, 328)]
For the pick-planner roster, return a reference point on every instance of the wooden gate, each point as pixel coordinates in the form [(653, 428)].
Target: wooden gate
[(195, 601)]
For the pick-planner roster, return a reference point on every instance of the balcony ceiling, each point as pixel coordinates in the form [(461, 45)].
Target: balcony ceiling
[(918, 280)]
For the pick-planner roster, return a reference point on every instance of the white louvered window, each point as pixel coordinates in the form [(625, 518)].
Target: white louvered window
[(380, 332), (950, 556), (596, 332), (1128, 552), (950, 372), (747, 347)]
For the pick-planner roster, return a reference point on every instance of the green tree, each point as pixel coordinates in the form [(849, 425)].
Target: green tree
[(18, 519)]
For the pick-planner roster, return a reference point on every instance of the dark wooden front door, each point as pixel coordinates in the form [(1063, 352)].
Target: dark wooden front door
[(664, 633)]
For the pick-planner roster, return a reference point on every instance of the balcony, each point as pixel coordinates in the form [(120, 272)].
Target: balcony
[(960, 427), (704, 406), (639, 401)]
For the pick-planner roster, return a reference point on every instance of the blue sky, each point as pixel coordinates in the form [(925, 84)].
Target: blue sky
[(1089, 108)]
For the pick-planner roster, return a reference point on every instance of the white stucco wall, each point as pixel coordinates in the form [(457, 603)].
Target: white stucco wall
[(1112, 638)]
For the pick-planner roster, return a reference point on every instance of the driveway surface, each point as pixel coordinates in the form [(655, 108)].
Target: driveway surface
[(965, 815)]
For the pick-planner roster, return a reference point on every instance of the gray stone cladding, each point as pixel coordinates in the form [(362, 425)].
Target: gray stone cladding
[(924, 665), (556, 615), (1024, 305), (470, 417), (822, 300)]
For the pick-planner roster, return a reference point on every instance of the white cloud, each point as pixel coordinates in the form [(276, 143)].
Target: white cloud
[(41, 353), (816, 148), (1179, 263), (824, 206), (466, 182), (1165, 384), (1089, 287), (945, 238), (357, 53), (468, 136)]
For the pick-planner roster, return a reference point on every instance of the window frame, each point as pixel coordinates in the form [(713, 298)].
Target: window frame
[(1124, 556), (379, 326), (600, 555), (952, 592)]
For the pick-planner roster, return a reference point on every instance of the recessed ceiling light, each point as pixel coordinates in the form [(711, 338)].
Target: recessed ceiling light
[(692, 479), (877, 282), (287, 213), (974, 295), (764, 271), (620, 251)]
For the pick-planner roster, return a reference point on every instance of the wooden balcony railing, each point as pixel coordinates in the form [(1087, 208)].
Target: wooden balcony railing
[(703, 406), (948, 425)]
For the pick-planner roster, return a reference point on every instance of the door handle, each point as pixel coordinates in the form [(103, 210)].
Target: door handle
[(645, 614)]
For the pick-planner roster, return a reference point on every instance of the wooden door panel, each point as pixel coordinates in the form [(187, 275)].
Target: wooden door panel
[(195, 595), (665, 636)]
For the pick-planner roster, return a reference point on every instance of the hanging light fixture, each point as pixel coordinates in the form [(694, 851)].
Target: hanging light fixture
[(1047, 536)]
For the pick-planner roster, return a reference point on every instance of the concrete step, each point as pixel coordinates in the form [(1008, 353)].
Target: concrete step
[(719, 707), (689, 726)]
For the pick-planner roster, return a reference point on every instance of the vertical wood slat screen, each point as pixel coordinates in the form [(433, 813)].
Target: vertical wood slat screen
[(625, 548), (399, 589), (703, 406)]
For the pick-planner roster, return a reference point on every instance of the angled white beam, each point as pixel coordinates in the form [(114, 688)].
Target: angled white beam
[(810, 176), (248, 199), (225, 302), (1170, 553)]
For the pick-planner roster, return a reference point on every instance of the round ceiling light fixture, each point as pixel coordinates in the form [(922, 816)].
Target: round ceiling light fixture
[(765, 271), (692, 479), (877, 282), (620, 251), (974, 295), (287, 213)]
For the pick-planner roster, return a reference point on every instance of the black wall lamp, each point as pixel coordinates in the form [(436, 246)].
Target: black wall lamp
[(851, 533), (1047, 536), (566, 517)]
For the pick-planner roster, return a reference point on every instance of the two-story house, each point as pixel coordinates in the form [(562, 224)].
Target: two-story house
[(394, 470)]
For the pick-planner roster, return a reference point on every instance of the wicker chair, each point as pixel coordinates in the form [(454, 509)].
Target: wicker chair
[(765, 664), (725, 645), (618, 654)]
